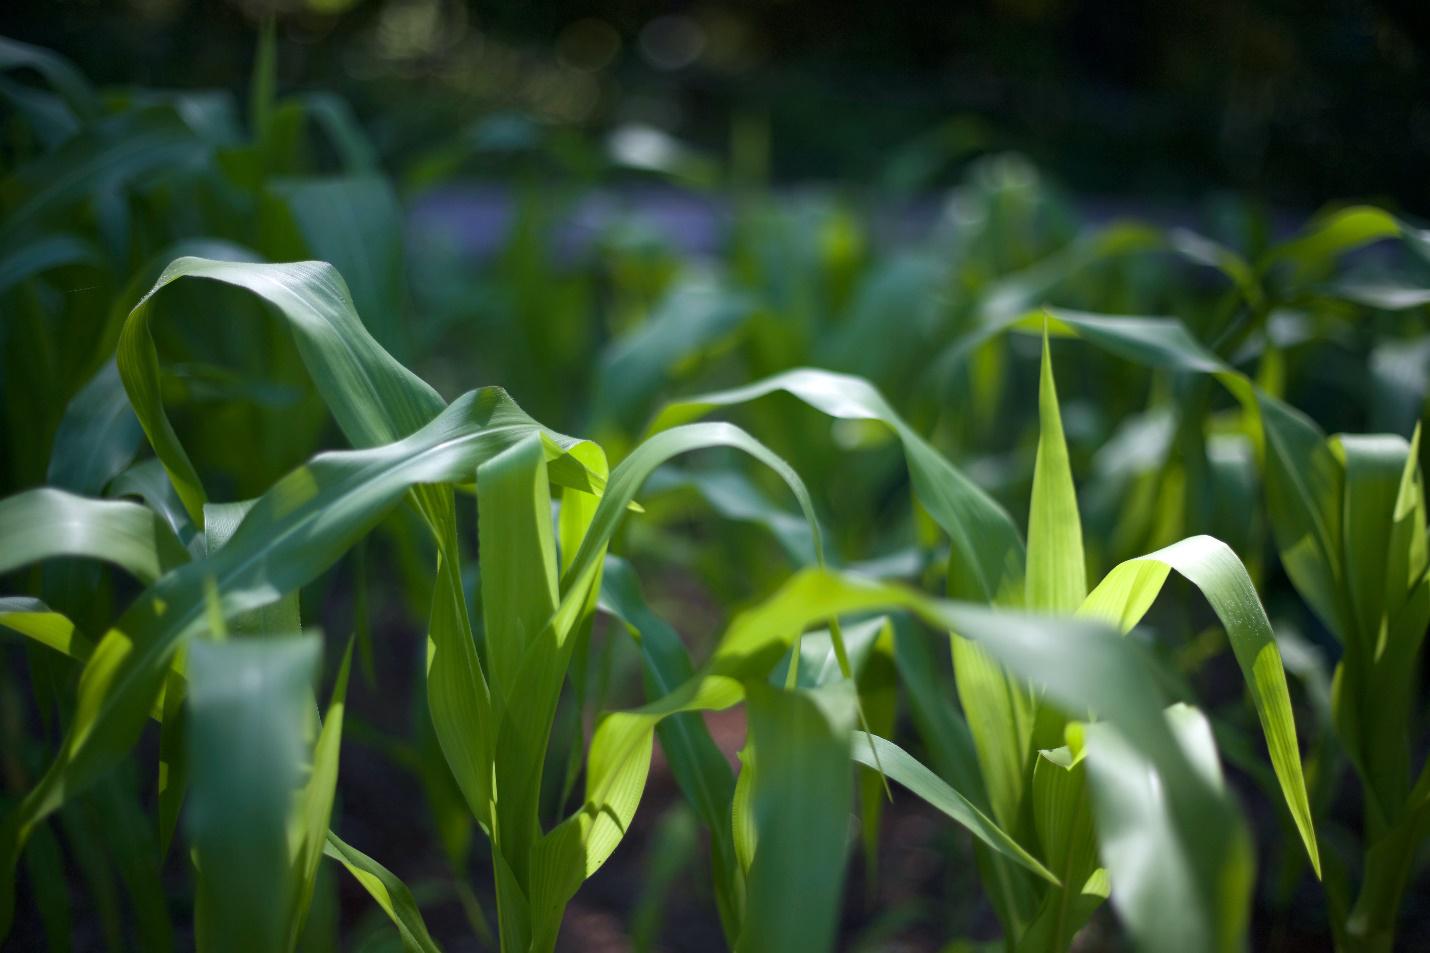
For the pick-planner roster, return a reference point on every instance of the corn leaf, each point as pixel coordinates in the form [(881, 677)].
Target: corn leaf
[(801, 800), (308, 831), (58, 72), (525, 656), (1128, 592), (1062, 814), (390, 893), (374, 399), (37, 621), (987, 558), (41, 524), (1385, 559), (353, 222), (699, 768), (248, 710), (1000, 714), (902, 767), (1057, 577), (1172, 891), (97, 437), (107, 154)]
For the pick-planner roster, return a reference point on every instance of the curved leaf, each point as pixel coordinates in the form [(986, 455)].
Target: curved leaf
[(46, 524), (390, 893), (987, 558), (1126, 594), (374, 399)]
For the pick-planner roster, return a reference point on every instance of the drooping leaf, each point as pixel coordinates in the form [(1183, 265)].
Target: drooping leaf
[(391, 894), (1126, 594), (902, 767), (987, 558)]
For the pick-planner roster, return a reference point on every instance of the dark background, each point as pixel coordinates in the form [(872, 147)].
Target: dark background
[(1296, 102)]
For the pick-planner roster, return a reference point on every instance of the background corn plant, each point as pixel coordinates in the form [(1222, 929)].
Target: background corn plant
[(1069, 753)]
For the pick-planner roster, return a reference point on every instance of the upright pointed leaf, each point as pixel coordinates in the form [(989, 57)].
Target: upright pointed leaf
[(308, 834), (1057, 576)]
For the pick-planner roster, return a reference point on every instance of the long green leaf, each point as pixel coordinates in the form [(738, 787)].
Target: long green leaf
[(902, 767), (801, 799), (1128, 592), (1062, 814), (97, 437), (1057, 576), (1171, 891), (390, 893), (308, 838), (248, 717), (46, 524), (374, 399), (699, 767), (987, 558)]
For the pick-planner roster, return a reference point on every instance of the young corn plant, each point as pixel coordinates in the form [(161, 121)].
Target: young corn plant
[(138, 669), (1348, 517), (1350, 522), (1072, 805), (1030, 755), (1280, 305)]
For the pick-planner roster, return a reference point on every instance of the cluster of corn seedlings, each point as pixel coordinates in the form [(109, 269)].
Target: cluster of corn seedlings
[(1076, 758)]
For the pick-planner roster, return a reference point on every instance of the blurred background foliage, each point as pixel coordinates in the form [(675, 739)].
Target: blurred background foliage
[(1159, 100)]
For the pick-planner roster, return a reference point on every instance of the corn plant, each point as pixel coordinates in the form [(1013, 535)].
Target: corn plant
[(1019, 744), (1349, 520)]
